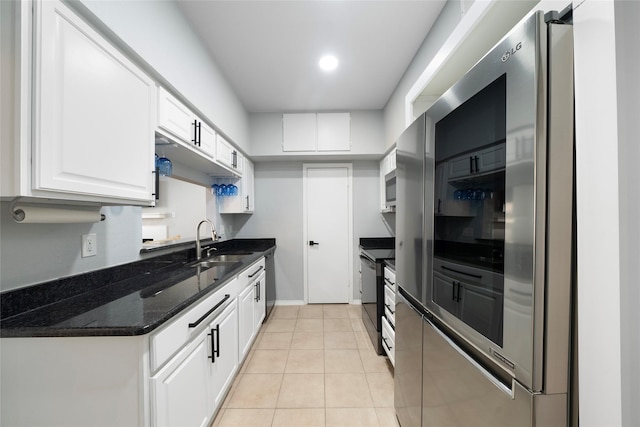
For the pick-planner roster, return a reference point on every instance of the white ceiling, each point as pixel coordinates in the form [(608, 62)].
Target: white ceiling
[(269, 50)]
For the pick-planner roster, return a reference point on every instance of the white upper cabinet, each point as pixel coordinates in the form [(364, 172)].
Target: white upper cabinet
[(182, 124), (334, 132), (188, 140), (94, 112), (243, 202), (299, 132), (315, 132), (228, 155), (173, 116)]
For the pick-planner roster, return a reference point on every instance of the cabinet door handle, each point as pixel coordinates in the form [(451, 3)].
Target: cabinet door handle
[(471, 164), (391, 311), (234, 162), (215, 343), (204, 316), (256, 272), (195, 133), (247, 202), (156, 180), (386, 343), (476, 160), (200, 134), (453, 291)]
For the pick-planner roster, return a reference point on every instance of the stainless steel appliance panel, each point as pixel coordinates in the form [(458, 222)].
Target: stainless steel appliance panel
[(410, 186), (408, 369), (390, 189), (458, 392), (522, 57)]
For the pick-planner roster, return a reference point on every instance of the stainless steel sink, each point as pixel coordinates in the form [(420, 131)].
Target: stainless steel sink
[(211, 263), (221, 260), (228, 257)]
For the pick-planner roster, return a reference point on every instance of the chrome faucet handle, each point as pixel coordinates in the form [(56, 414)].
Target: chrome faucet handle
[(209, 250)]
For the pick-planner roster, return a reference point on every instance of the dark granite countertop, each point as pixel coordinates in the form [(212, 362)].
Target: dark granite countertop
[(378, 249), (131, 299)]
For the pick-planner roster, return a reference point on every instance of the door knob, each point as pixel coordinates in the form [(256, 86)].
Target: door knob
[(312, 243)]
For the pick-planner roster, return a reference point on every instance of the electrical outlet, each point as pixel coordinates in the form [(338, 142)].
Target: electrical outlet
[(89, 245)]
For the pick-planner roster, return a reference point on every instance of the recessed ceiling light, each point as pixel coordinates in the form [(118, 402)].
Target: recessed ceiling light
[(328, 63)]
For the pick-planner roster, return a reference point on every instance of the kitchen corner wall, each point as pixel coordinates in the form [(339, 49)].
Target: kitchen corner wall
[(279, 214), (394, 111)]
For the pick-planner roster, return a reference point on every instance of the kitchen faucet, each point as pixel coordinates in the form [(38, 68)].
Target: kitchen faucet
[(214, 236)]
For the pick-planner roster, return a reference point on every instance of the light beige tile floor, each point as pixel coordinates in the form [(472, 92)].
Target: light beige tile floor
[(311, 365)]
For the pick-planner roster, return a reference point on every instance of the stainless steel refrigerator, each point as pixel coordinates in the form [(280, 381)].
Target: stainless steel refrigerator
[(485, 243)]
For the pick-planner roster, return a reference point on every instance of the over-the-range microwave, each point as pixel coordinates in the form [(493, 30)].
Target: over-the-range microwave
[(390, 190)]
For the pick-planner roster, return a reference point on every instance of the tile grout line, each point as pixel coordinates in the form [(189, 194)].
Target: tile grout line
[(361, 352)]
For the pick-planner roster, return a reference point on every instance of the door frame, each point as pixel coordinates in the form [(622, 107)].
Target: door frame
[(305, 168)]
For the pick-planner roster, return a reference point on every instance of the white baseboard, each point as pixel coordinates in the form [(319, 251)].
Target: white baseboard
[(289, 302), (301, 302)]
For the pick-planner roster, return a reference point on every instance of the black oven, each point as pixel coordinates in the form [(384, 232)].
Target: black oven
[(373, 254)]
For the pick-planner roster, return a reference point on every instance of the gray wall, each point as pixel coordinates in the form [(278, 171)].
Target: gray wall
[(394, 111), (279, 214), (32, 253)]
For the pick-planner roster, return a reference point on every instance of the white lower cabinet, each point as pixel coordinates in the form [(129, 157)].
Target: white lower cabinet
[(260, 304), (190, 388), (224, 346), (177, 375), (246, 326), (180, 390), (389, 318), (389, 340), (251, 305)]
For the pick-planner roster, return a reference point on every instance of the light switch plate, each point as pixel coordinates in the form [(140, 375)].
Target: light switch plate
[(89, 245)]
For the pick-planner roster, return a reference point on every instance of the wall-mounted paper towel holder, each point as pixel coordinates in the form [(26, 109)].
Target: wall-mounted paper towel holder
[(29, 213)]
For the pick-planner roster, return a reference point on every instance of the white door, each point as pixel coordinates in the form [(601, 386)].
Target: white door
[(328, 224)]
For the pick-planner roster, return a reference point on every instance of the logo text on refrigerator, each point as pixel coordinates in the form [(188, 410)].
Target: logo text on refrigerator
[(509, 53)]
